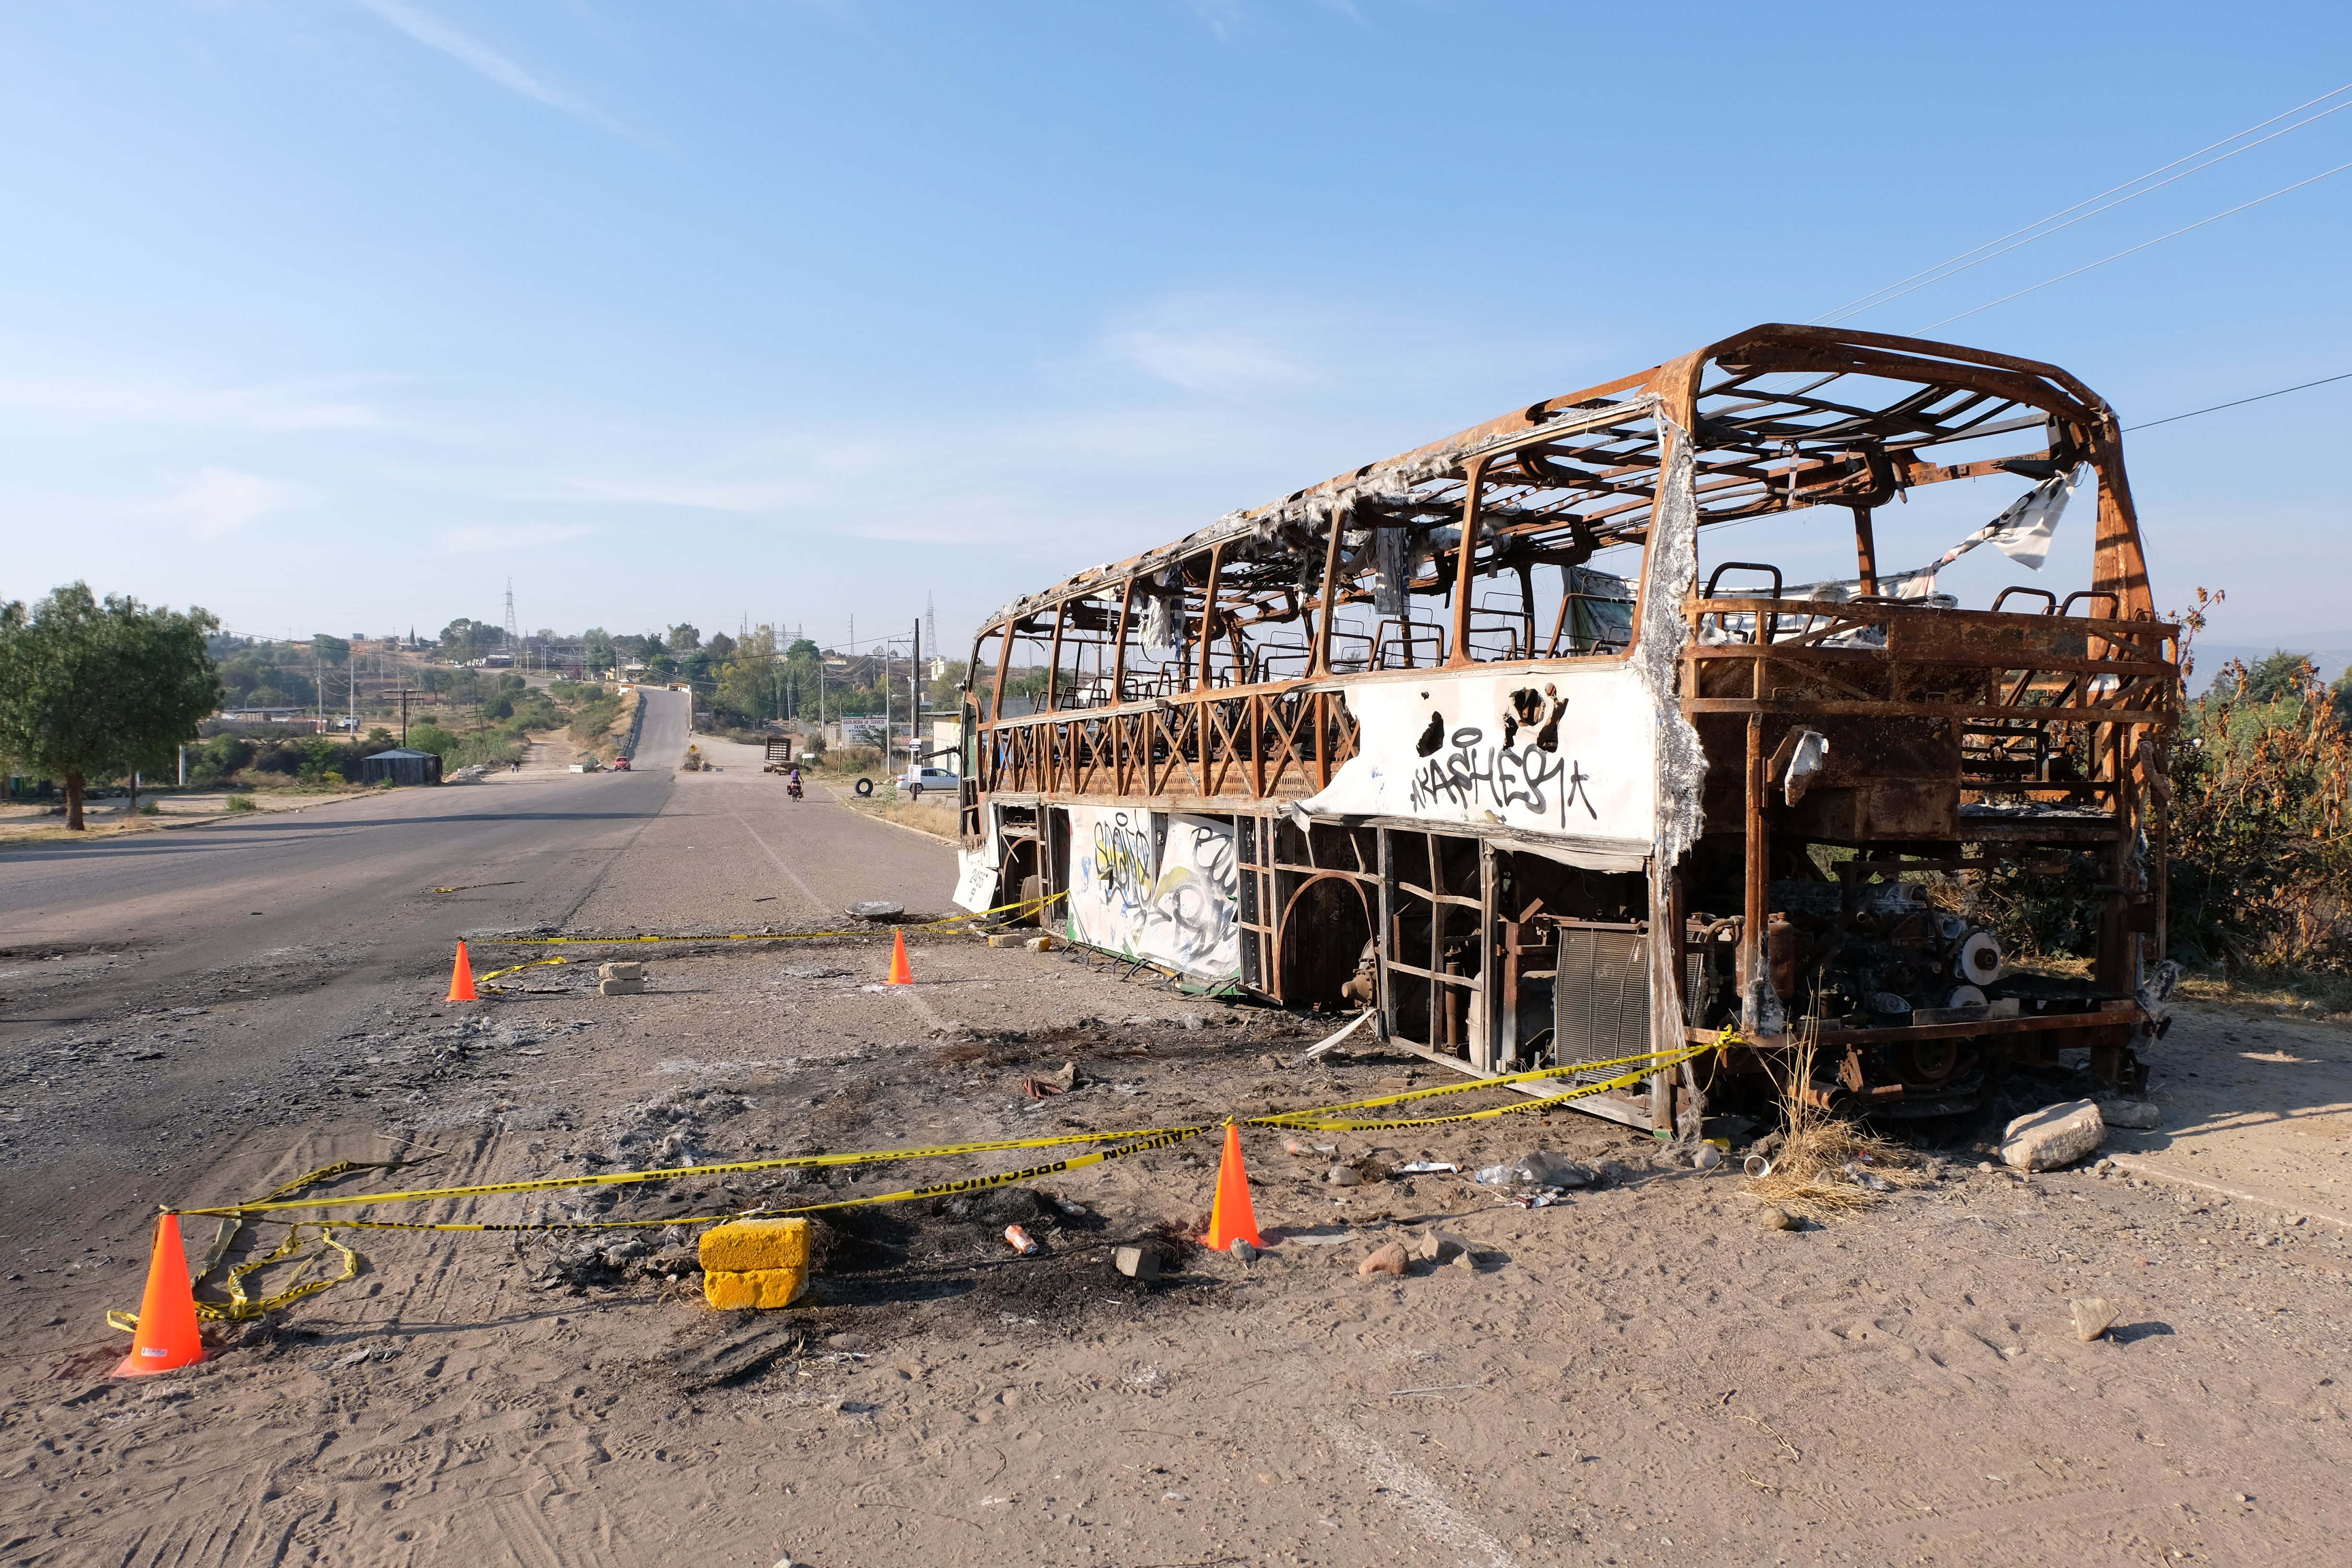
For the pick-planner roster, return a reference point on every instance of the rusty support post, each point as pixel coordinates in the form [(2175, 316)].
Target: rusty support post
[(1330, 604), (1475, 482), (1865, 549), (1003, 667), (1751, 928), (1209, 622), (1053, 659), (1118, 659)]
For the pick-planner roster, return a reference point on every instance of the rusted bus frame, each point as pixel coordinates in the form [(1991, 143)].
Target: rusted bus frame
[(1228, 744), (1544, 483), (1739, 473)]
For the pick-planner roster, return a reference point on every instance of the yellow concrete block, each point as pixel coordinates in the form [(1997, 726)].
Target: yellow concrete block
[(743, 1245), (764, 1289)]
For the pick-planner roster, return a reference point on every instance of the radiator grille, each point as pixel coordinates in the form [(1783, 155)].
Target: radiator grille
[(1600, 997)]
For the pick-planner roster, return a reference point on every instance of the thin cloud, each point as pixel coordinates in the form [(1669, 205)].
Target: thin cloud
[(219, 502), (483, 61), (1223, 18), (1222, 363), (102, 400), (513, 536)]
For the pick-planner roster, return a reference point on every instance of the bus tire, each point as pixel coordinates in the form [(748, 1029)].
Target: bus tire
[(865, 787)]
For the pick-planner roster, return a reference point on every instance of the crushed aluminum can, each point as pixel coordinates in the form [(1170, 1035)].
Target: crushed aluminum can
[(1020, 1239)]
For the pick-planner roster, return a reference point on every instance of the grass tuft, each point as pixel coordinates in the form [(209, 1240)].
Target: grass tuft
[(1808, 1174)]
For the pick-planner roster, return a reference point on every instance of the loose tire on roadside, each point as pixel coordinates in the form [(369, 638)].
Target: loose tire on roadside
[(865, 787)]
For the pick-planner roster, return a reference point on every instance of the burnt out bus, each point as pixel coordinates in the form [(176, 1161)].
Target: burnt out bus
[(1602, 726)]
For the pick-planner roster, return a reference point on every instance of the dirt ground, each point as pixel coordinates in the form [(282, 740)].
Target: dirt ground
[(1639, 1374)]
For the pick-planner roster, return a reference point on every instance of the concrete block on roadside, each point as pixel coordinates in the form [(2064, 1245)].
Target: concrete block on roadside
[(1136, 1262), (1041, 945), (620, 972), (620, 988), (743, 1245), (761, 1289), (1006, 938), (2053, 1136), (2137, 1115)]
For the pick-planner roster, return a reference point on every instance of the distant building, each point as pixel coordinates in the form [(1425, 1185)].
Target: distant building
[(401, 767)]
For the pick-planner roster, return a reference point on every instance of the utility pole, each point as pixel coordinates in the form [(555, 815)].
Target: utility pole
[(403, 716), (915, 698)]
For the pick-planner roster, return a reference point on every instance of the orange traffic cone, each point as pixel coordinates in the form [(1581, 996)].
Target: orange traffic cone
[(461, 979), (166, 1335), (1232, 1219), (899, 973)]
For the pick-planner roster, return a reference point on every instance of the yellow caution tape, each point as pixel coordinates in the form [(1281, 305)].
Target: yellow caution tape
[(487, 976), (1323, 1120), (239, 1308), (1129, 1142), (1164, 1138), (1649, 1061), (947, 922), (273, 1204)]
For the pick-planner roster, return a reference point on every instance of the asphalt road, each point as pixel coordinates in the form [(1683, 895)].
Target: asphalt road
[(291, 930)]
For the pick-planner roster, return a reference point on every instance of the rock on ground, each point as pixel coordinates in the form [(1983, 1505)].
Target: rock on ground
[(2053, 1136)]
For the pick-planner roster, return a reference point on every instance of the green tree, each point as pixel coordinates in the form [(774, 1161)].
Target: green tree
[(330, 650), (2280, 675), (748, 683), (463, 639), (101, 689), (946, 694), (684, 638)]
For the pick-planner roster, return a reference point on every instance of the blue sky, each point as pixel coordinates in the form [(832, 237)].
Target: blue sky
[(335, 314)]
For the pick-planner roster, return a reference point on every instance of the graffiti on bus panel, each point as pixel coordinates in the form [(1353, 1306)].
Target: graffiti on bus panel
[(1566, 751), (1468, 771), (1169, 892)]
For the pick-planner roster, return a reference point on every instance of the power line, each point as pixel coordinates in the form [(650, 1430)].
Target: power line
[(1958, 264), (2159, 239), (2239, 403)]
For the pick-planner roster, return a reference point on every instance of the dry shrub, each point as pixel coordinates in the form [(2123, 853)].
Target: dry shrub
[(2261, 824), (1809, 1174)]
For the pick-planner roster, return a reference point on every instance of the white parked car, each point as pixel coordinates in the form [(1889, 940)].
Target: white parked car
[(915, 781)]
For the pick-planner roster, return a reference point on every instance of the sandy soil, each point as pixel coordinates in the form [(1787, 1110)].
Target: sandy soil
[(1640, 1375)]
